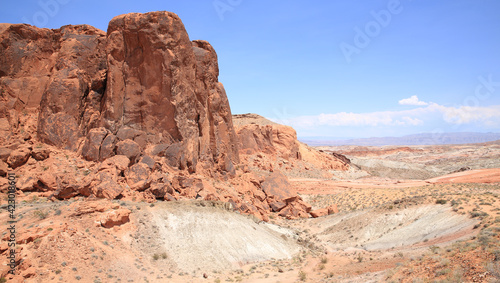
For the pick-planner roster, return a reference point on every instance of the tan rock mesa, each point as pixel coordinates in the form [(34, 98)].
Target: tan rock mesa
[(135, 113)]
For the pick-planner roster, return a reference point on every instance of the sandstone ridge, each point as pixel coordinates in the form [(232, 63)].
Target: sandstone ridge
[(267, 145)]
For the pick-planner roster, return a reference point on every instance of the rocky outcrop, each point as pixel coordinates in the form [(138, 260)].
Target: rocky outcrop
[(165, 88), (272, 139), (114, 218), (135, 113), (60, 71), (268, 145), (257, 134), (143, 82), (323, 161)]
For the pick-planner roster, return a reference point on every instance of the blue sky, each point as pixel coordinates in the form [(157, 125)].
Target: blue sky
[(333, 68)]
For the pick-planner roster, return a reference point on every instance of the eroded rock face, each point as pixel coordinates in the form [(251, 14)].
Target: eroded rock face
[(144, 80), (70, 103), (274, 139), (163, 88), (25, 66), (62, 71)]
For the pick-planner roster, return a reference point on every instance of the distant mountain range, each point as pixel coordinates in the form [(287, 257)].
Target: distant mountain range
[(417, 139)]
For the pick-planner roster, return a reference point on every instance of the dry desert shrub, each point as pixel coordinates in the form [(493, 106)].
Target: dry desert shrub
[(40, 214), (302, 275)]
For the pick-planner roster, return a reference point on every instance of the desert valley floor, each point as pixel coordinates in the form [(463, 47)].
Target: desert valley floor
[(387, 229)]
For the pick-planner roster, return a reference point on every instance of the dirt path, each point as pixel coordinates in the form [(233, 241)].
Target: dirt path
[(472, 176)]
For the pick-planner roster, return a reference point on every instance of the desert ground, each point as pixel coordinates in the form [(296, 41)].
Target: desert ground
[(442, 229)]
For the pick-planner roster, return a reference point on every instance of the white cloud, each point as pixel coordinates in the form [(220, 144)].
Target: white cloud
[(356, 119), (413, 100), (489, 116), (431, 115), (373, 119), (412, 121)]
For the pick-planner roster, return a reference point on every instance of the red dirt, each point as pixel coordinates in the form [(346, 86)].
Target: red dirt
[(483, 176)]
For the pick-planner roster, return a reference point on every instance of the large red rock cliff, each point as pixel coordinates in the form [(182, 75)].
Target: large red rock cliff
[(135, 113), (58, 74), (166, 88), (143, 81)]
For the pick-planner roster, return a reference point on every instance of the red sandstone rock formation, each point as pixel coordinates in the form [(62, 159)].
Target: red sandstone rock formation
[(134, 113), (61, 72), (114, 218), (259, 136), (165, 88), (144, 80)]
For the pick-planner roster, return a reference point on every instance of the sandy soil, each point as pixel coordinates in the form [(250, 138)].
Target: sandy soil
[(185, 241)]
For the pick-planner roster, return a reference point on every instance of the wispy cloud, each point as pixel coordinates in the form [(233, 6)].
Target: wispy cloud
[(413, 100), (488, 116), (412, 121), (428, 115)]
